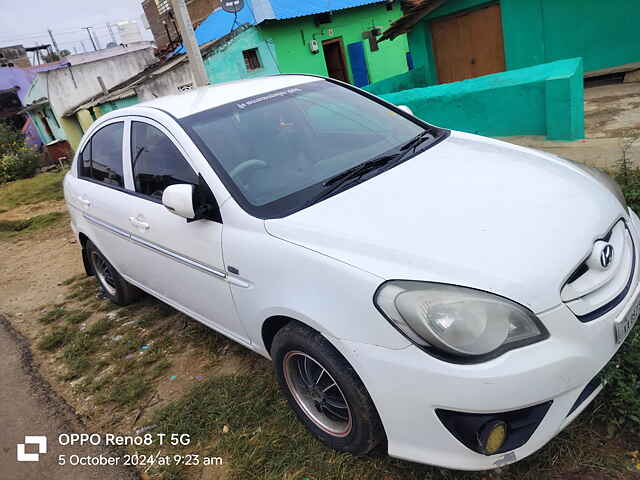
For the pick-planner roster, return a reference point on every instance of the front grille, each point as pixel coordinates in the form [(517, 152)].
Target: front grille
[(590, 293)]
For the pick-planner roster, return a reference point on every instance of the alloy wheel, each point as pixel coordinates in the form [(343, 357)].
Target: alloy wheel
[(104, 272), (317, 393)]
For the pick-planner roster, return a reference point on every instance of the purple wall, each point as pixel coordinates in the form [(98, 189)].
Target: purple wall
[(11, 77), (16, 77)]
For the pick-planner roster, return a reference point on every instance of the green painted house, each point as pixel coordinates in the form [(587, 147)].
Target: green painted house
[(454, 40), (336, 38)]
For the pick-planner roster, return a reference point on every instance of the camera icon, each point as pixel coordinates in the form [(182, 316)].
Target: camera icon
[(39, 440)]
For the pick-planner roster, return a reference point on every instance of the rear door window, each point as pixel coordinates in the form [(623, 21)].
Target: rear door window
[(156, 161), (101, 158)]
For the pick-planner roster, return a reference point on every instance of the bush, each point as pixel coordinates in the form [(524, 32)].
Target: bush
[(11, 139), (621, 399), (623, 384), (14, 166), (17, 160)]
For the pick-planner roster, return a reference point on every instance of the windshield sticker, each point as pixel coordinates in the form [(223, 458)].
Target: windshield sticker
[(265, 98)]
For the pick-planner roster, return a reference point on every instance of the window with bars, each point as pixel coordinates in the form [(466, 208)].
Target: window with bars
[(251, 59)]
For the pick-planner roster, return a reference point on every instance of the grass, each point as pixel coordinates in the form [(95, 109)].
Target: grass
[(41, 188), (128, 389), (55, 339), (265, 440), (77, 354), (101, 327), (11, 228), (53, 315), (76, 317)]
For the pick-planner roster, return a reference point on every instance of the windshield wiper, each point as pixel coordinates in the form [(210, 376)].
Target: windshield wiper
[(336, 182), (417, 140)]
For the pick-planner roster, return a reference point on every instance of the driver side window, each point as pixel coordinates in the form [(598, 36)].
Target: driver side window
[(156, 162)]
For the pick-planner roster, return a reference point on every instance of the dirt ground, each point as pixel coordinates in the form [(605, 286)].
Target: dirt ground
[(29, 406), (35, 269), (612, 129), (612, 111)]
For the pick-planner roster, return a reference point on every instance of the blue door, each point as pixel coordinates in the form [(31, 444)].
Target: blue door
[(358, 64)]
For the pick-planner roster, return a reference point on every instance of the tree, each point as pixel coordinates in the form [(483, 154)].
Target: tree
[(53, 56)]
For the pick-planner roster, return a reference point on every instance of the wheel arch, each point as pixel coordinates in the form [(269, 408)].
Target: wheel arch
[(84, 239), (272, 325)]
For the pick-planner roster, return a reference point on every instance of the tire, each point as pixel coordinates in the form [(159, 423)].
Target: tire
[(300, 355), (114, 287)]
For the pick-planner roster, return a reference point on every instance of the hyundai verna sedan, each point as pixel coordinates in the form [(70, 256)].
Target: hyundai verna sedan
[(449, 296)]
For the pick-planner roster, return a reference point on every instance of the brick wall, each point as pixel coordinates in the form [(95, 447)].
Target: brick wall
[(199, 10)]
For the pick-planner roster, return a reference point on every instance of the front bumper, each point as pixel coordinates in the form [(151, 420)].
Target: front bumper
[(407, 386)]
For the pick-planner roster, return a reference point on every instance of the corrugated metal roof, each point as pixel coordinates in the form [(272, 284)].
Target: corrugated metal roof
[(284, 9), (219, 24)]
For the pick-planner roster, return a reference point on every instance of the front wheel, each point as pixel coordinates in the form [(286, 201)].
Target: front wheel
[(114, 287), (325, 391)]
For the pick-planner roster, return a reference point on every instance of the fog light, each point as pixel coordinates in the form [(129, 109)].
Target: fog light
[(492, 436)]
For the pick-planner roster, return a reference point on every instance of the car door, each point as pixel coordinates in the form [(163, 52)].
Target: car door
[(178, 260), (98, 194)]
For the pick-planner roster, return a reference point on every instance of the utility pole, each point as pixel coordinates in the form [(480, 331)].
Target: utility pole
[(113, 36), (88, 29), (53, 40), (96, 38), (190, 43)]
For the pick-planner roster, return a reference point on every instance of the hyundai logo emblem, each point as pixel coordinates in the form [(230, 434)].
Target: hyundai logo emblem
[(606, 255)]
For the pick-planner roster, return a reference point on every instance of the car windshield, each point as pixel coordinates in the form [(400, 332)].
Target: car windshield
[(275, 151)]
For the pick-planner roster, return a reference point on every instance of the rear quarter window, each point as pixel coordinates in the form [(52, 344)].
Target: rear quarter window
[(101, 158)]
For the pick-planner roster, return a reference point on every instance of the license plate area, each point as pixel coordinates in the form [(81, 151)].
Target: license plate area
[(623, 327)]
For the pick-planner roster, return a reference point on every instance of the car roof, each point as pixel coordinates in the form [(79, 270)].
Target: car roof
[(205, 98)]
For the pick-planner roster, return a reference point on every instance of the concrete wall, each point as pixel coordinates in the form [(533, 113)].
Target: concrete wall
[(227, 63), (292, 37), (540, 31), (405, 81), (166, 83), (222, 65), (72, 85), (546, 99)]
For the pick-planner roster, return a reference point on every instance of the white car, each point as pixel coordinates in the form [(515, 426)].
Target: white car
[(449, 296)]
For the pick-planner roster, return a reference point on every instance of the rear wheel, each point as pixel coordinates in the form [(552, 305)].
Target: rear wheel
[(114, 287), (324, 391)]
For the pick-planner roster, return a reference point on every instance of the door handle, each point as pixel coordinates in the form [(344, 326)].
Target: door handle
[(139, 223), (84, 201)]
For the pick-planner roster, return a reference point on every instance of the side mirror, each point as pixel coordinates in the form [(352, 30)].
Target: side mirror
[(193, 202), (406, 109), (178, 199)]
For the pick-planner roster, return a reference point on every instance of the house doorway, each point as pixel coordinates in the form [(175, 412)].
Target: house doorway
[(46, 126), (468, 44), (334, 56)]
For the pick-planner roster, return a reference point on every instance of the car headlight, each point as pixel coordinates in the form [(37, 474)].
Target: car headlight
[(604, 179), (460, 323)]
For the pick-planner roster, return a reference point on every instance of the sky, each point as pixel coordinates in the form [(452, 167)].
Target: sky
[(26, 21)]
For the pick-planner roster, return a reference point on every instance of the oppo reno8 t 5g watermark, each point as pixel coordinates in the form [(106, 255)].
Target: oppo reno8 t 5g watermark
[(74, 440), (21, 448)]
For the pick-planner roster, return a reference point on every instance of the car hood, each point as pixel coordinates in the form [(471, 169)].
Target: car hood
[(469, 211)]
